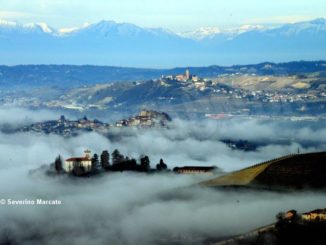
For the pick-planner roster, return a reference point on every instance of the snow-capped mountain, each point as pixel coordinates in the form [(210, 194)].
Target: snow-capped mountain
[(15, 27), (124, 44), (233, 32), (201, 33), (309, 27), (210, 32), (110, 29)]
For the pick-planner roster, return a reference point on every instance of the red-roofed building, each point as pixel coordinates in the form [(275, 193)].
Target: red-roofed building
[(84, 161)]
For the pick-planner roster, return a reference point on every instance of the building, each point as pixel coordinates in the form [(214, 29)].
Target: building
[(314, 216), (195, 170), (84, 161), (183, 77), (194, 78), (146, 118), (187, 74)]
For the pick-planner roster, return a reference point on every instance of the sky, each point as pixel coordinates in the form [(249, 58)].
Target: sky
[(178, 16)]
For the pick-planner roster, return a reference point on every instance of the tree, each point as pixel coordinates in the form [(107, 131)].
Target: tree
[(95, 162), (105, 159), (117, 157), (145, 163), (58, 164), (161, 166), (78, 170)]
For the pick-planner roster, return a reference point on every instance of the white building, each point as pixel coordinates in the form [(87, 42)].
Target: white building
[(84, 161)]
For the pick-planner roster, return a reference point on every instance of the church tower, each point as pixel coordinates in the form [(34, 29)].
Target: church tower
[(88, 154), (187, 74)]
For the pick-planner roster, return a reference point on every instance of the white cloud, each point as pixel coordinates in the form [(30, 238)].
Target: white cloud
[(126, 208)]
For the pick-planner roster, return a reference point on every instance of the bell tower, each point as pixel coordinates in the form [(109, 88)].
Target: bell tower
[(88, 154), (187, 74)]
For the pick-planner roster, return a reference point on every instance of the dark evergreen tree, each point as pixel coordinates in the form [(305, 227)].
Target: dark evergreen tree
[(161, 166), (105, 159), (117, 157), (58, 164), (95, 163), (145, 163)]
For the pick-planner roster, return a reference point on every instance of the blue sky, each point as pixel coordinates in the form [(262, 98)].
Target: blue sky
[(176, 15)]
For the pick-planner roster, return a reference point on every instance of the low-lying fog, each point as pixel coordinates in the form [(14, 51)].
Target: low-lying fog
[(126, 208)]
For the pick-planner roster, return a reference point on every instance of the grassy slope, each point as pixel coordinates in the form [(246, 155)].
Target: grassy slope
[(242, 177)]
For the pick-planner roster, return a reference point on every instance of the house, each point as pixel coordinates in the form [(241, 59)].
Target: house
[(85, 162), (195, 170), (314, 216), (183, 77)]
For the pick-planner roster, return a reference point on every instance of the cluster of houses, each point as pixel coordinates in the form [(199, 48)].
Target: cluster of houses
[(318, 215), (66, 127), (315, 215), (188, 79), (258, 95), (146, 118)]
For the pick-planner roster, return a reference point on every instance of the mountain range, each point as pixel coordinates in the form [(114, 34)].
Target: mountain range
[(124, 44)]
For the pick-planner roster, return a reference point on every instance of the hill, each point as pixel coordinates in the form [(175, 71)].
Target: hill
[(292, 171), (74, 75)]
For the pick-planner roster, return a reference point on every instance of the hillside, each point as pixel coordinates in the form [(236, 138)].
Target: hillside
[(228, 90), (271, 82), (292, 171), (74, 75)]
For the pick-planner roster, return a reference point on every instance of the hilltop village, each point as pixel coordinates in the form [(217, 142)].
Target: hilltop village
[(244, 92), (215, 86), (65, 127)]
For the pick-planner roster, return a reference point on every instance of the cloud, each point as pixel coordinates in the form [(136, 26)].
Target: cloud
[(130, 208), (183, 143), (127, 208), (18, 116)]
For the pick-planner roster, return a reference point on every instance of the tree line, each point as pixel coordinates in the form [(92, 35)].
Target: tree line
[(114, 162)]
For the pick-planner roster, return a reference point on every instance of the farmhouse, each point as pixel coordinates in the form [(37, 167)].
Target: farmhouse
[(195, 170), (314, 216)]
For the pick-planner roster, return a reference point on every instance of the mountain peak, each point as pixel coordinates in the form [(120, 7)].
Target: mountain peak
[(105, 23), (201, 33), (45, 27), (68, 30), (312, 26), (42, 26), (319, 21), (26, 28), (109, 26)]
